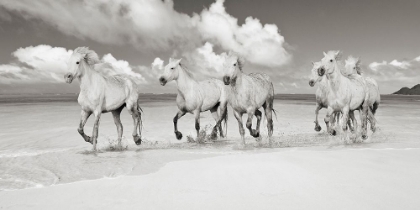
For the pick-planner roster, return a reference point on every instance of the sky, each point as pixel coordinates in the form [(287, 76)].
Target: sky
[(279, 38)]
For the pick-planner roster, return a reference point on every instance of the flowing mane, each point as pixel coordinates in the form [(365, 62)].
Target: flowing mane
[(90, 56), (186, 70)]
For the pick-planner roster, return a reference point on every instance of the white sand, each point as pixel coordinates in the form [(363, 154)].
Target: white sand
[(310, 170), (288, 179)]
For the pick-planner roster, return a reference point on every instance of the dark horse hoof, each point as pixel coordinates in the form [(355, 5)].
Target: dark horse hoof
[(333, 132), (178, 135), (255, 133), (317, 128), (137, 140), (364, 137), (213, 135), (88, 139)]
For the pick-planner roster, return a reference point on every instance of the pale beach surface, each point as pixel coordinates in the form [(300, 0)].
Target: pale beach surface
[(45, 164)]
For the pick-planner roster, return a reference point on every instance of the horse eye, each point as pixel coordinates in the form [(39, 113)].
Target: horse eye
[(172, 68), (331, 60), (354, 67), (234, 64), (77, 62)]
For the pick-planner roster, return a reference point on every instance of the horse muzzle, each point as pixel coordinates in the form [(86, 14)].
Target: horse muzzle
[(68, 78), (311, 83), (226, 80), (162, 81)]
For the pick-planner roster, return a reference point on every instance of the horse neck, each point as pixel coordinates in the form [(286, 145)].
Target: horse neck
[(238, 87), (184, 82), (335, 79), (86, 78)]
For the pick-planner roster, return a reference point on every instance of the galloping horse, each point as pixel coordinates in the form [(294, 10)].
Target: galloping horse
[(100, 93), (321, 96), (353, 67), (196, 96), (248, 94), (346, 93)]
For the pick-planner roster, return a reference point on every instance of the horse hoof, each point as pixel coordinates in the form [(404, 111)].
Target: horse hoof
[(137, 140), (255, 133), (178, 135), (317, 128), (364, 137), (333, 132), (373, 129), (88, 139), (213, 136)]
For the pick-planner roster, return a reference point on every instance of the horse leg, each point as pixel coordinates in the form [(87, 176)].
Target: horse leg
[(222, 112), (353, 119), (372, 120), (317, 126), (345, 111), (249, 124), (258, 115), (268, 110), (136, 115), (328, 119), (97, 114), (217, 119), (197, 122), (238, 117), (176, 118), (84, 117), (364, 113), (116, 115)]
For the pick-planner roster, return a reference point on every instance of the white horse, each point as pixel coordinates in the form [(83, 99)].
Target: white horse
[(248, 94), (195, 97), (321, 96), (100, 93), (347, 93), (353, 66)]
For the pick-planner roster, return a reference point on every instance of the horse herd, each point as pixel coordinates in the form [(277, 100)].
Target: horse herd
[(341, 90)]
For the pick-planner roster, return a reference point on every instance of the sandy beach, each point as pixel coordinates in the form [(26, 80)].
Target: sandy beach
[(47, 165)]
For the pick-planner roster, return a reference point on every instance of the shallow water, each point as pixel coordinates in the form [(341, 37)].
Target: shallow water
[(39, 144)]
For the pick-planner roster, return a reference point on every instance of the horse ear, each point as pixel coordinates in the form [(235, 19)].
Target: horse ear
[(325, 54), (179, 61), (313, 64), (338, 55), (170, 60)]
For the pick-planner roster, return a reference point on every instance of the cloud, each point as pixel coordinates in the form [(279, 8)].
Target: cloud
[(396, 73), (47, 64), (152, 24)]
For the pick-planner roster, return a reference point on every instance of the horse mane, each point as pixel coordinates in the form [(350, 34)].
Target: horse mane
[(90, 56), (186, 70), (238, 58)]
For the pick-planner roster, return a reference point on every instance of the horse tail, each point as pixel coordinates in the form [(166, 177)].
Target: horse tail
[(374, 107), (225, 119), (275, 112)]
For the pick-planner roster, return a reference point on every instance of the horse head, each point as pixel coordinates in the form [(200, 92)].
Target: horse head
[(329, 63), (352, 65), (232, 67), (316, 73), (81, 57), (171, 71)]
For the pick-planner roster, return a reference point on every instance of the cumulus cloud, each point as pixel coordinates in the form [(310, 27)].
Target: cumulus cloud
[(152, 24), (397, 73), (44, 63)]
